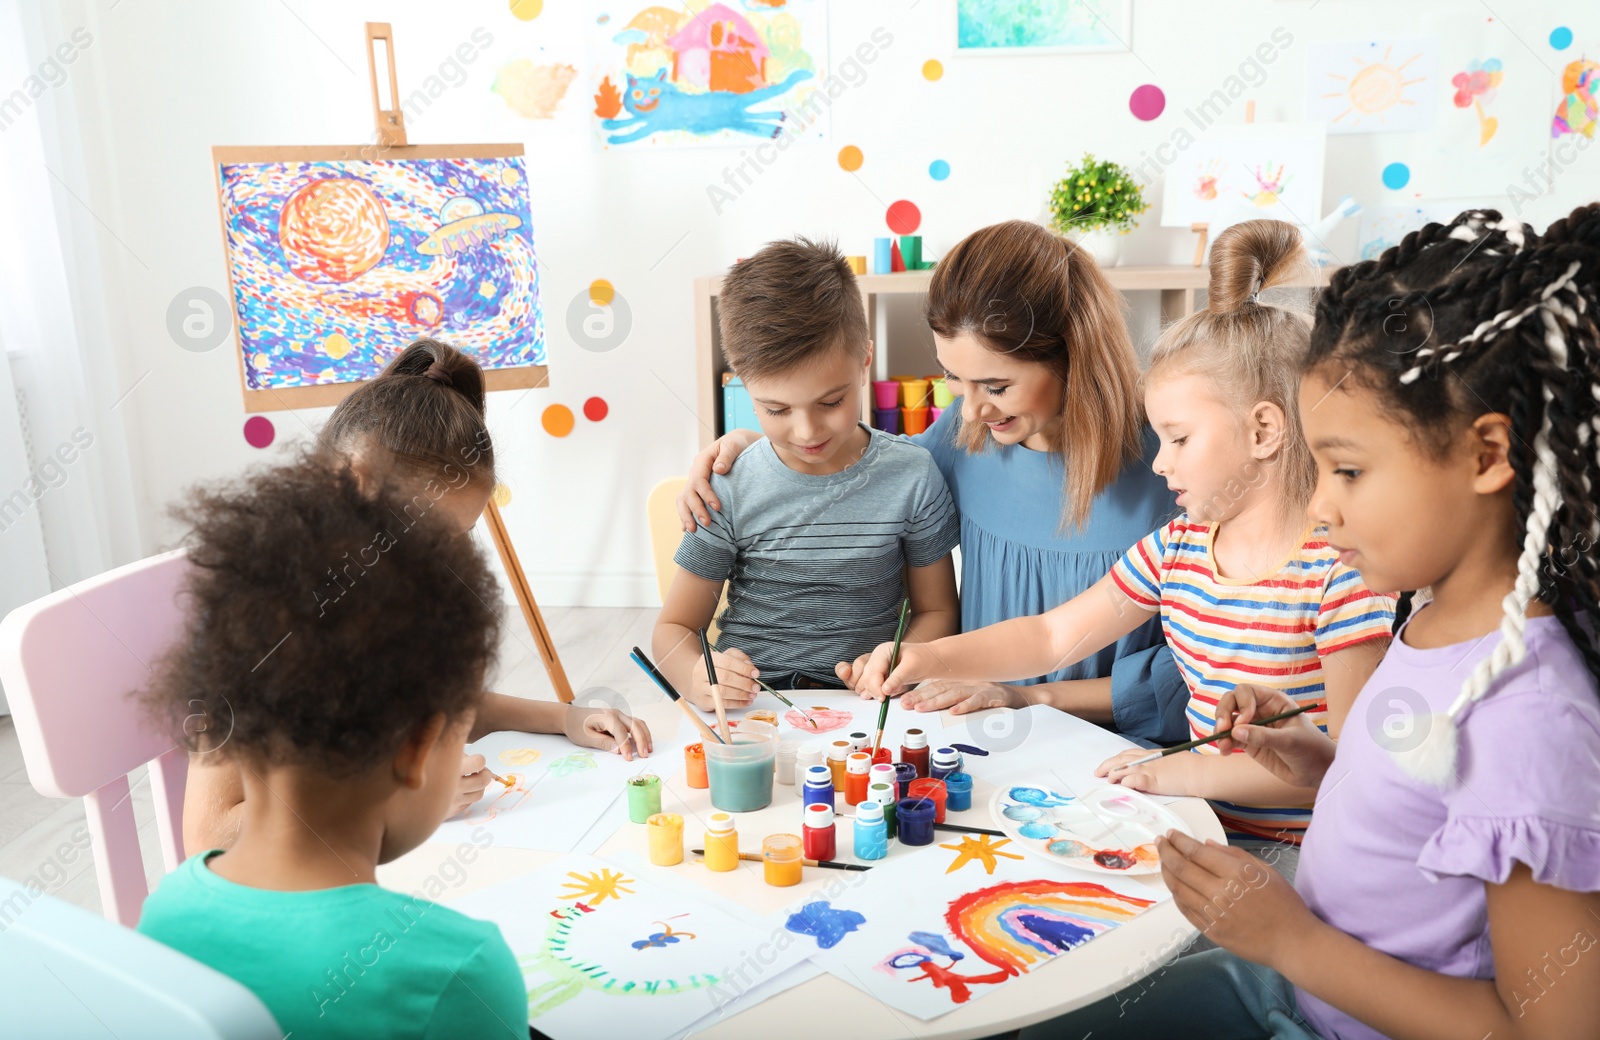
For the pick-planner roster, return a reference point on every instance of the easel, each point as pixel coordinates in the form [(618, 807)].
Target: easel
[(1204, 230), (391, 125)]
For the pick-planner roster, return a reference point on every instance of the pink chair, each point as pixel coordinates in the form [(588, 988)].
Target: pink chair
[(69, 662)]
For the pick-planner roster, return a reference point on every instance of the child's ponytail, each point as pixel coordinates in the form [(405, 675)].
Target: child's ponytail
[(1481, 316)]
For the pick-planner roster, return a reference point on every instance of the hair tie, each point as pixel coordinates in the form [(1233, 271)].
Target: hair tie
[(437, 373)]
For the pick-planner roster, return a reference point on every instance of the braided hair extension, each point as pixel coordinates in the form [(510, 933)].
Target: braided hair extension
[(1492, 318)]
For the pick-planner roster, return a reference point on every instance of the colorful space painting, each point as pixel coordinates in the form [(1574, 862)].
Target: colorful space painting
[(338, 263), (710, 74)]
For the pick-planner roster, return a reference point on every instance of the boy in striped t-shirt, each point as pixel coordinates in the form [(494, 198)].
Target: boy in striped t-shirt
[(1248, 592)]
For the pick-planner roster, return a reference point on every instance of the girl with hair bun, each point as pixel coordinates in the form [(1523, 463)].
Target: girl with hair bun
[(1247, 590), (420, 425)]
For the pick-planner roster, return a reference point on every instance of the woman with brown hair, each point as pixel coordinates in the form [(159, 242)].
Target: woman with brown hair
[(1047, 456)]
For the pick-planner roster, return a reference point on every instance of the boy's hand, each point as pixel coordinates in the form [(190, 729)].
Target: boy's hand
[(850, 673), (736, 681), (875, 680), (474, 780), (697, 497), (607, 729), (1293, 750), (1169, 775), (962, 695)]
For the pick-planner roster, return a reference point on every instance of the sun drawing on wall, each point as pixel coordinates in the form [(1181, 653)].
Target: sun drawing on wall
[(1373, 89)]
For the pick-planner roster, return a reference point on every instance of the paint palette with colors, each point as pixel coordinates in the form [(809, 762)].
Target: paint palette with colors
[(1107, 830)]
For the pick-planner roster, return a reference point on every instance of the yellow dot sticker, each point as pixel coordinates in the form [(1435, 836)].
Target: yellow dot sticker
[(526, 10), (501, 496), (557, 420), (850, 158), (932, 69), (601, 292)]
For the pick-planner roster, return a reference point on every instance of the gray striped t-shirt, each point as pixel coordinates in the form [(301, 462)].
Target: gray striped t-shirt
[(813, 562)]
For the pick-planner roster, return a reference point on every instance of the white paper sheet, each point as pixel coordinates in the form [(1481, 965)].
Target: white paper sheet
[(1373, 85)]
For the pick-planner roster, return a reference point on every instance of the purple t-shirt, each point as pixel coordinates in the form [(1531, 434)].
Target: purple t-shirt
[(1401, 864)]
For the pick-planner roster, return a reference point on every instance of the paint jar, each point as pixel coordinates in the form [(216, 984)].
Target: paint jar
[(904, 773), (722, 842), (886, 419), (644, 797), (882, 255), (781, 859), (883, 756), (694, 767), (809, 755), (935, 792), (666, 839), (913, 819), (914, 750), (934, 413), (885, 393), (855, 777), (838, 751), (762, 715), (741, 772), (958, 792), (945, 760), (880, 773), (942, 397), (817, 788), (858, 264), (861, 741), (820, 833), (911, 251), (884, 795), (913, 420), (784, 761), (914, 392), (870, 832)]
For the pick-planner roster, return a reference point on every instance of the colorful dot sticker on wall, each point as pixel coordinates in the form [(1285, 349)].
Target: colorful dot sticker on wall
[(601, 292), (904, 217), (850, 158), (1147, 102), (258, 431), (557, 420), (1561, 37), (500, 496), (1396, 175), (526, 10), (595, 409), (932, 69), (938, 169)]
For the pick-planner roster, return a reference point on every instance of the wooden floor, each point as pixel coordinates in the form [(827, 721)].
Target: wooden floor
[(593, 642)]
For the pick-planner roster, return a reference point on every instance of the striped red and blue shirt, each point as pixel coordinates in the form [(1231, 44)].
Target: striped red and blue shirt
[(1272, 631)]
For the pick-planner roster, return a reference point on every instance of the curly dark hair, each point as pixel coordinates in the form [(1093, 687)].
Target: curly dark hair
[(1479, 316), (325, 624)]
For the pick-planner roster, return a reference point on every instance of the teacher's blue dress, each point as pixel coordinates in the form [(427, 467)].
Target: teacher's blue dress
[(1017, 560)]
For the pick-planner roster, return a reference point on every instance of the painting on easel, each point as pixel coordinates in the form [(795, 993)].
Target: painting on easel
[(337, 261)]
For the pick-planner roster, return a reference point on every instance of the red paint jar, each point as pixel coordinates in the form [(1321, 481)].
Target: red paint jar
[(934, 791), (819, 832), (914, 751)]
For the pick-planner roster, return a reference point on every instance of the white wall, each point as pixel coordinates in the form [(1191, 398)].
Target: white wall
[(163, 82)]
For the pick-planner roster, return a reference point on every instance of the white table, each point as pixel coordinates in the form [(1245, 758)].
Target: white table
[(826, 1005)]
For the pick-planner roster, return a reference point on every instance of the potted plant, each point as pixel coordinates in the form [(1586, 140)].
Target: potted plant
[(1096, 203)]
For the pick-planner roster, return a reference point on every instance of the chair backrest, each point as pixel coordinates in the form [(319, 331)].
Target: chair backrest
[(65, 972), (666, 533), (69, 662)]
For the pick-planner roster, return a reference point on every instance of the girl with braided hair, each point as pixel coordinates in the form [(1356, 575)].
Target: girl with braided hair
[(1449, 885)]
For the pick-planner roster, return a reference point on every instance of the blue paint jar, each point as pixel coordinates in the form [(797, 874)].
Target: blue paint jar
[(818, 787), (913, 818), (945, 760), (904, 773), (871, 833), (958, 792)]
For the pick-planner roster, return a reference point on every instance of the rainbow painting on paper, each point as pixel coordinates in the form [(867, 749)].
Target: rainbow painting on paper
[(336, 264), (971, 924)]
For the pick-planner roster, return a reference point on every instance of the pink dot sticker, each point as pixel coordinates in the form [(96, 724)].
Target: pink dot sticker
[(904, 218), (595, 409), (1147, 102), (258, 431)]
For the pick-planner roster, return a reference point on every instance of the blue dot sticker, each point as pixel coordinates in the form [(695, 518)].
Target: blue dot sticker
[(1396, 175), (1561, 37), (938, 169)]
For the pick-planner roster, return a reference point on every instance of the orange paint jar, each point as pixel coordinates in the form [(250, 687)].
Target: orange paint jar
[(781, 859), (694, 765)]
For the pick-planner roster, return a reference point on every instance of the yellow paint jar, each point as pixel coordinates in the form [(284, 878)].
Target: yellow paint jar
[(666, 839), (781, 858), (722, 842)]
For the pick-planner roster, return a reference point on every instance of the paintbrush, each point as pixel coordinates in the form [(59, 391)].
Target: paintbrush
[(894, 660), (827, 864), (967, 830), (660, 680), (1188, 744), (716, 688), (503, 780), (787, 701)]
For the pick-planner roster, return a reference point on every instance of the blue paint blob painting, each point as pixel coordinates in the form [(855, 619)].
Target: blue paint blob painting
[(821, 921)]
